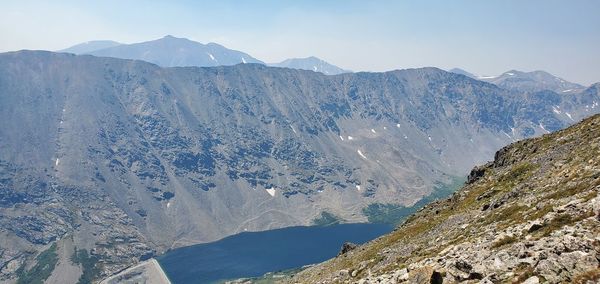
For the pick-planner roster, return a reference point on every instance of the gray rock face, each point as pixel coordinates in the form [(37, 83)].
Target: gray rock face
[(170, 51), (133, 159), (90, 46), (311, 63)]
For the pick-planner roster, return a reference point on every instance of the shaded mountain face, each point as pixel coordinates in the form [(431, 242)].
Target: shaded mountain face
[(90, 46), (534, 81), (531, 215), (131, 159), (170, 51), (311, 63)]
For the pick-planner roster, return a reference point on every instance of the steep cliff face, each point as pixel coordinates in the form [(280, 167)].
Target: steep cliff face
[(131, 159), (532, 214)]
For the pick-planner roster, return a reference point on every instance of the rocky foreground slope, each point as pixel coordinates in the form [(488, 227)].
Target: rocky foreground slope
[(532, 215)]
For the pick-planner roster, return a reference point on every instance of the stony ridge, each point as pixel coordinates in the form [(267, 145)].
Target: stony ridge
[(532, 215)]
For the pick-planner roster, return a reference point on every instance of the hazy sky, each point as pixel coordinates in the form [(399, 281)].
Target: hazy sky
[(483, 37)]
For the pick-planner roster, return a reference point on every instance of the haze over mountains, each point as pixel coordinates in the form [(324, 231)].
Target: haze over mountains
[(90, 46), (157, 157), (171, 51), (527, 81)]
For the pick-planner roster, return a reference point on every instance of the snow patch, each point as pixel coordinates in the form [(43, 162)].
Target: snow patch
[(57, 162), (271, 191), (361, 154), (569, 115), (510, 74), (429, 137), (556, 109), (486, 77), (398, 125), (341, 137), (506, 134), (405, 137), (168, 204), (358, 187), (243, 60), (64, 110), (61, 122), (315, 68), (384, 128), (293, 129), (350, 138), (568, 90), (373, 130), (211, 56), (542, 127)]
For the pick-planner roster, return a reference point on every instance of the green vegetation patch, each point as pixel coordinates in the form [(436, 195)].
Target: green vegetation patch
[(326, 219), (394, 214), (517, 174), (88, 263), (46, 262)]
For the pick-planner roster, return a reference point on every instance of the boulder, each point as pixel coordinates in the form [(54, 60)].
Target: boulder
[(346, 247)]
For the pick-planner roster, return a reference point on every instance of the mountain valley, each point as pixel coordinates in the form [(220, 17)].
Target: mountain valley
[(121, 160)]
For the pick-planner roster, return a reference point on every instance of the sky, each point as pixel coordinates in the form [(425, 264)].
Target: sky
[(483, 37)]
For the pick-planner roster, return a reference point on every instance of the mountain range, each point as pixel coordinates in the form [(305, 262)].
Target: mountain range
[(171, 51), (527, 81), (124, 159)]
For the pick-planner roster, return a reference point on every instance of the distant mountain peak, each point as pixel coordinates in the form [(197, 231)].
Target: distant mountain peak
[(90, 46), (533, 81), (171, 51), (311, 63)]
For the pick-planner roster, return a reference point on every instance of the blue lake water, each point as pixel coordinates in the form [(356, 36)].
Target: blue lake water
[(253, 254)]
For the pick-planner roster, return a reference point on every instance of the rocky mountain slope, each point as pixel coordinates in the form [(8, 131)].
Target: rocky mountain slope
[(170, 51), (311, 63), (532, 215), (117, 160)]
